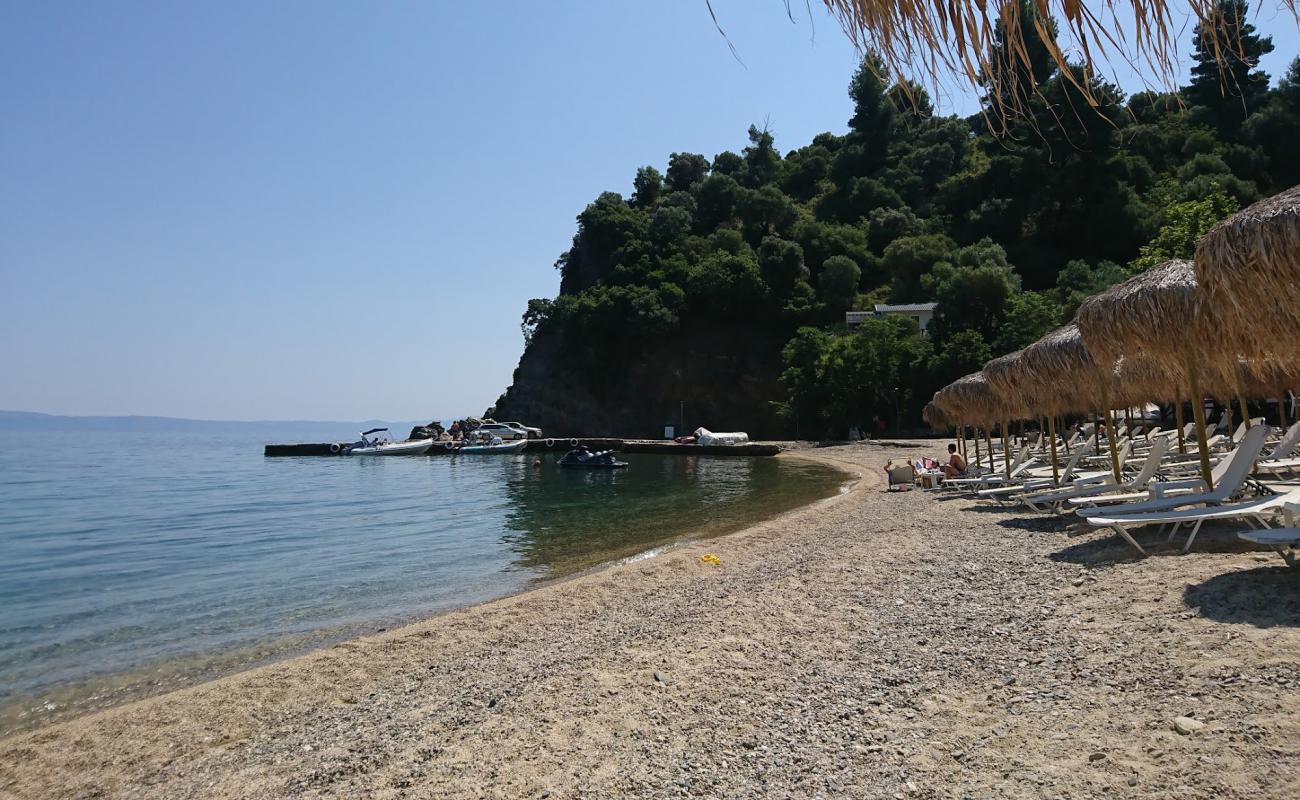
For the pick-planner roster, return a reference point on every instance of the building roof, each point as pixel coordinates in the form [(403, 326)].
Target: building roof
[(905, 308)]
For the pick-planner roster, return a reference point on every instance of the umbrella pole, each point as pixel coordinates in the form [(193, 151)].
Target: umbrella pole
[(1227, 410), (1006, 453), (975, 434), (988, 442), (1198, 414), (1128, 421), (1281, 411), (1241, 403), (1178, 420), (1064, 438), (1110, 433), (1051, 431)]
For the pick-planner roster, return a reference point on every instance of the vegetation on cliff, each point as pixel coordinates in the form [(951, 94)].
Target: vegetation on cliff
[(1006, 233)]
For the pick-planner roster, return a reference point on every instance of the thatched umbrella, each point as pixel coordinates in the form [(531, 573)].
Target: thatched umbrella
[(1162, 313), (969, 398), (1142, 378), (1063, 364), (933, 417), (1000, 375), (1010, 379), (1249, 266)]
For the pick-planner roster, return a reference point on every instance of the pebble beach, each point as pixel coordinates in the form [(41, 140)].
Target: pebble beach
[(873, 644)]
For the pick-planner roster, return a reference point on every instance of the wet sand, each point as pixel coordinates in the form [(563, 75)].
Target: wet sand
[(869, 645)]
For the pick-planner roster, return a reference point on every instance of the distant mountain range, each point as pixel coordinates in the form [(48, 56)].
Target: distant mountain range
[(32, 421)]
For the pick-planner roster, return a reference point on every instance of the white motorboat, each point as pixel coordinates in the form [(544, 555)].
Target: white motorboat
[(375, 446), (485, 445)]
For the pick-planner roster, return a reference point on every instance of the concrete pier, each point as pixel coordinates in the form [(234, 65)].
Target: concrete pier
[(558, 445)]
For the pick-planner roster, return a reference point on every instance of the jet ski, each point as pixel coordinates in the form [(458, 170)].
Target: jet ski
[(582, 458)]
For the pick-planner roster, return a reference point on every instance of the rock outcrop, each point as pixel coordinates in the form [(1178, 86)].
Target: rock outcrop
[(709, 374)]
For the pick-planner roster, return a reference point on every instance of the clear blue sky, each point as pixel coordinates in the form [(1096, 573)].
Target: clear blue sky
[(327, 210)]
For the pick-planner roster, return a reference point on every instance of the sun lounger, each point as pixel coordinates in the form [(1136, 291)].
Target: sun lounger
[(1258, 510), (1282, 459), (1286, 541), (1004, 493), (1130, 490), (1018, 466), (1098, 484), (1229, 476)]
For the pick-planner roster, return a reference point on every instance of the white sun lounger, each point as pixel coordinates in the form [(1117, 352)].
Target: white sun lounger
[(1229, 476), (1280, 460), (1003, 493), (1018, 466), (1257, 509), (1131, 489), (1090, 484), (1286, 541)]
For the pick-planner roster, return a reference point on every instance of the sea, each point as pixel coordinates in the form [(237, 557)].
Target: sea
[(136, 561)]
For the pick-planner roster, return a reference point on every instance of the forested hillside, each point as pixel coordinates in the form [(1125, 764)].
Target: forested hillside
[(722, 283)]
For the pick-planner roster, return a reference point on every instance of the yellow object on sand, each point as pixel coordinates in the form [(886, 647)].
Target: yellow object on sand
[(709, 558)]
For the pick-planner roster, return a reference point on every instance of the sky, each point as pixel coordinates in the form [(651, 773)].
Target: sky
[(330, 210)]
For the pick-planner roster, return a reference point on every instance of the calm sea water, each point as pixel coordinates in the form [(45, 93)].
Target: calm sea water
[(130, 563)]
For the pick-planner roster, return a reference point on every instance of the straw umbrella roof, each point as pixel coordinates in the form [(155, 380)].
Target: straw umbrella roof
[(934, 417), (1249, 265), (1061, 374), (1004, 378), (970, 399), (1161, 312), (1140, 379)]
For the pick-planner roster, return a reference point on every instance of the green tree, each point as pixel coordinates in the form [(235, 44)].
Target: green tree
[(909, 258), (781, 263), (762, 162), (1079, 280), (685, 170), (1184, 224), (1227, 84), (837, 283), (1029, 316), (536, 314), (646, 187)]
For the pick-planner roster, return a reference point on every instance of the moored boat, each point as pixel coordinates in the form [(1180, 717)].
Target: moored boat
[(491, 446), (373, 445)]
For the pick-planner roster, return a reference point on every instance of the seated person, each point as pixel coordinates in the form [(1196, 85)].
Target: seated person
[(956, 466)]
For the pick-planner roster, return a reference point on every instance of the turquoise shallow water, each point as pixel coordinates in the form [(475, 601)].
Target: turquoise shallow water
[(131, 563)]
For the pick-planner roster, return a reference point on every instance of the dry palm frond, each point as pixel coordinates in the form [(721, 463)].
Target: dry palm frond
[(932, 43), (1249, 266)]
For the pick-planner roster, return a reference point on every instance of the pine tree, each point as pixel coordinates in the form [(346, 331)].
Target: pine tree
[(1226, 82)]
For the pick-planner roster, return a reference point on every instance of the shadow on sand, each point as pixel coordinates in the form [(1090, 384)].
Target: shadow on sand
[(1266, 597)]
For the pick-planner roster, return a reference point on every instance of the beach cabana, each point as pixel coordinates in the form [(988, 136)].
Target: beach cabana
[(1161, 313), (1249, 268)]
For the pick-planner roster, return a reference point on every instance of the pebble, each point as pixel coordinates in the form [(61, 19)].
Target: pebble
[(1187, 726)]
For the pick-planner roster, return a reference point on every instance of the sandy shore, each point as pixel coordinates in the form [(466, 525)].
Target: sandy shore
[(870, 645)]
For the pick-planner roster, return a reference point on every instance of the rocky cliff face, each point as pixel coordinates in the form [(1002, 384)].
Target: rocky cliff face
[(717, 371)]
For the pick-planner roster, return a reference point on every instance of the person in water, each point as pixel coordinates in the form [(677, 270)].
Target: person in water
[(956, 466)]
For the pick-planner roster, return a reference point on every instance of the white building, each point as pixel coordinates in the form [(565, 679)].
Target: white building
[(922, 313)]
